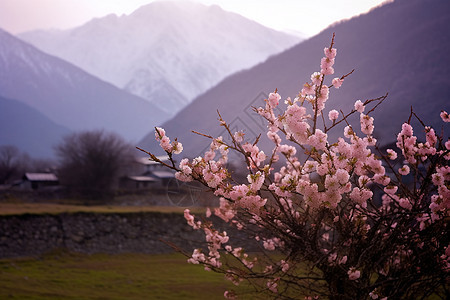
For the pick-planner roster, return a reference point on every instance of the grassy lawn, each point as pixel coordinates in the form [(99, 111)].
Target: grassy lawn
[(62, 275), (54, 208)]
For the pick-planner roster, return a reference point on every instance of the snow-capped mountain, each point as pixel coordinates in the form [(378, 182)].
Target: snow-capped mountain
[(166, 52), (68, 95)]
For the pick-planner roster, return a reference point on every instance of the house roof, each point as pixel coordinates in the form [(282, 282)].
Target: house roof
[(146, 160), (162, 174), (41, 177), (142, 178)]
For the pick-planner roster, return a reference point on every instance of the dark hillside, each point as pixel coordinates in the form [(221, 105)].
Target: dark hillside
[(400, 48), (68, 95), (28, 130)]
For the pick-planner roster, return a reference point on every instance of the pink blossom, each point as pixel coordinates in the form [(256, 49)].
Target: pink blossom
[(348, 132), (183, 177), (407, 143), (256, 181), (390, 189), (331, 182), (326, 62), (209, 155), (287, 150), (361, 196), (274, 137), (363, 180), (316, 78), (295, 123), (239, 191), (159, 133), (272, 285), (310, 166), (359, 106), (330, 52), (444, 171), (353, 273), (318, 140), (445, 116), (430, 136), (333, 115), (375, 165), (337, 82), (239, 136), (213, 174), (197, 257), (256, 156), (177, 147), (322, 169), (185, 167), (308, 89), (268, 269), (405, 203), (437, 179), (404, 170), (225, 211), (407, 129), (284, 266), (322, 97), (359, 150), (327, 71), (165, 144), (190, 219), (269, 245), (366, 124), (252, 203), (274, 98), (381, 179), (373, 294), (229, 295), (391, 154), (342, 176), (371, 141)]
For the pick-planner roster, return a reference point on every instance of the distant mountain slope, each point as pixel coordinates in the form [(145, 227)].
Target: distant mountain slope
[(400, 48), (68, 95), (167, 52), (28, 130)]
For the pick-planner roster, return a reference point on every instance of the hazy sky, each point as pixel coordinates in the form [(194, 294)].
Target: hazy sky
[(307, 16)]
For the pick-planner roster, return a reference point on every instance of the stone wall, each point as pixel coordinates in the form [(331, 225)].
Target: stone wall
[(34, 234)]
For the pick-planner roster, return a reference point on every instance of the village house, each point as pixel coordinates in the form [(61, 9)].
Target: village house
[(150, 174), (35, 181)]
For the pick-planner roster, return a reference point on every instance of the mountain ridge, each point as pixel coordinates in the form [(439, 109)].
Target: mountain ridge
[(183, 48), (28, 129), (384, 47), (68, 95)]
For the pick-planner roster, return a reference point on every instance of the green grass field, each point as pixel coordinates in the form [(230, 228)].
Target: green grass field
[(62, 275), (55, 208)]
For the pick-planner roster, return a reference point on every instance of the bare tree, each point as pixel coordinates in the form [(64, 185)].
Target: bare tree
[(10, 163), (91, 162)]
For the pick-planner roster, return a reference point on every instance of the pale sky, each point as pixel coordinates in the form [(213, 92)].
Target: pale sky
[(306, 16)]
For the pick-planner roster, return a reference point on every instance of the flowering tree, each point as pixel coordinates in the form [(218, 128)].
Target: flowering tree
[(341, 220)]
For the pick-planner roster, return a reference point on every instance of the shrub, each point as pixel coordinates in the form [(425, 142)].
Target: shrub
[(343, 220)]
